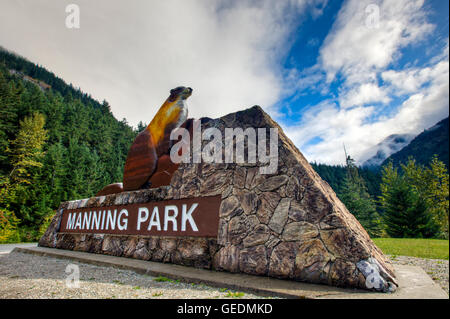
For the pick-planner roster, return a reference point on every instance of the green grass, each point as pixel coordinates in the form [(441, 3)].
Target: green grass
[(165, 279), (162, 279), (236, 294), (415, 247)]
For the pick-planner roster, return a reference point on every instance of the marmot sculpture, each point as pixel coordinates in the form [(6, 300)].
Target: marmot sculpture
[(148, 162)]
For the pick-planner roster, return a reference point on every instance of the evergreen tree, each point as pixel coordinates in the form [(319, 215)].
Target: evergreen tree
[(53, 174), (358, 201), (405, 211), (335, 176), (140, 127), (8, 118), (431, 185)]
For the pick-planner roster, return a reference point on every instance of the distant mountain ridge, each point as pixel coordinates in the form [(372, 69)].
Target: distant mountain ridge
[(390, 145), (28, 70), (432, 141)]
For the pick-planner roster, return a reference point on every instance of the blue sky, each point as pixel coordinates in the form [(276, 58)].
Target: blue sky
[(365, 112), (331, 72), (307, 40)]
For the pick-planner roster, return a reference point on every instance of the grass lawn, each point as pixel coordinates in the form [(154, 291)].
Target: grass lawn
[(423, 248)]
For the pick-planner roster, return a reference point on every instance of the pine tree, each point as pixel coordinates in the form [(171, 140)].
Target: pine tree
[(405, 210), (8, 118), (140, 127), (398, 201), (358, 201), (431, 185), (53, 174)]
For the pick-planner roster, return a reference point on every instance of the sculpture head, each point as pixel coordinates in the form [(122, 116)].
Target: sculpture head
[(180, 92)]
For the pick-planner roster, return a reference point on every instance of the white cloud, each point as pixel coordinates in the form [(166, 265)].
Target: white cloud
[(413, 79), (362, 95), (131, 53), (361, 56), (358, 49), (336, 126)]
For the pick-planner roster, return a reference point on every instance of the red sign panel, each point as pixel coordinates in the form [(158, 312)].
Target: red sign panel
[(184, 217)]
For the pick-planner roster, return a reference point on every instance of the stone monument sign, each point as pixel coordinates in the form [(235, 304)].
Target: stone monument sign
[(249, 203)]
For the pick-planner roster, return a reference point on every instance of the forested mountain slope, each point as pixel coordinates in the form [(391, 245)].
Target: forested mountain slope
[(84, 148), (433, 141)]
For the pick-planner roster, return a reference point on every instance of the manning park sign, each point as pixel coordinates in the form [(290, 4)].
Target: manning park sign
[(198, 217)]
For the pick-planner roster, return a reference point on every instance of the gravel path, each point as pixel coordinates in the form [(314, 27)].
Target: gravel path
[(437, 269), (7, 248), (30, 276)]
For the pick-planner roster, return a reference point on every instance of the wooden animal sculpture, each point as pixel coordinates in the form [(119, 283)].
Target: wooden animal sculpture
[(149, 153)]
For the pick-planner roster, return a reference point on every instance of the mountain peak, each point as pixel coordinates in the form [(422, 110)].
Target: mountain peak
[(432, 141), (390, 145)]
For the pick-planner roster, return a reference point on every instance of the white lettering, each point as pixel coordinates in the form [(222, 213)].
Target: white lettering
[(73, 18), (373, 16), (103, 219), (171, 218), (212, 152), (216, 152), (196, 141), (154, 220), (110, 220), (73, 279), (187, 216), (141, 218), (272, 158), (240, 134), (183, 146), (78, 224), (96, 219), (71, 221), (87, 220), (246, 308), (124, 225)]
